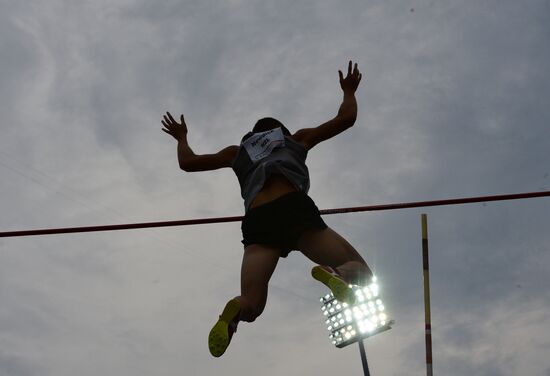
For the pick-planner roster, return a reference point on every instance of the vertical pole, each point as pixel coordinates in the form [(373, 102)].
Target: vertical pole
[(364, 357), (429, 367)]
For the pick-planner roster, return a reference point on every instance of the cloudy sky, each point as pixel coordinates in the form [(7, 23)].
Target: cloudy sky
[(454, 102)]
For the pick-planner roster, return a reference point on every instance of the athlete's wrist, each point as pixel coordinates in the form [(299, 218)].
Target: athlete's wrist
[(182, 138), (349, 93)]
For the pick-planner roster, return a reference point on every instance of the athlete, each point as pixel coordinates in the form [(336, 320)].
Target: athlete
[(279, 215)]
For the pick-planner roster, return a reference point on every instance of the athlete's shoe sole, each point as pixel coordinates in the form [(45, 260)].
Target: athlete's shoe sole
[(219, 337), (340, 289)]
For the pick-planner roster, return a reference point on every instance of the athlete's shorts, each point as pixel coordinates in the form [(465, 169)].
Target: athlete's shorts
[(281, 222)]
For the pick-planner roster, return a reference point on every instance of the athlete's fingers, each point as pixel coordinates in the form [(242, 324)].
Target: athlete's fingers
[(349, 68), (171, 118), (341, 75), (182, 121)]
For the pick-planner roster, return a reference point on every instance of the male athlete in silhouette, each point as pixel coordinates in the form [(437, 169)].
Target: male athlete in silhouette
[(279, 215)]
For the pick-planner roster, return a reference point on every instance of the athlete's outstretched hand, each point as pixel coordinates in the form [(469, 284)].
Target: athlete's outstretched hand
[(173, 128), (351, 82)]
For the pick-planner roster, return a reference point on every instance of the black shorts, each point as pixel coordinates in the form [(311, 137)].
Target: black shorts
[(281, 222)]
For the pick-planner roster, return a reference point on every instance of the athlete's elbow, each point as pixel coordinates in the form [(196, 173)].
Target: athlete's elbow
[(190, 169), (186, 166), (351, 121), (347, 121)]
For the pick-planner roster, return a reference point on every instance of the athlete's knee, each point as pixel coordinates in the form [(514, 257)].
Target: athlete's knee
[(355, 265), (355, 272), (255, 312), (250, 309), (251, 314)]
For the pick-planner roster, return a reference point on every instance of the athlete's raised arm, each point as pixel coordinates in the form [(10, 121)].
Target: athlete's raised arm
[(347, 114), (188, 160)]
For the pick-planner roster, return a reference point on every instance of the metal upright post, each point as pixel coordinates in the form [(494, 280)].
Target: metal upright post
[(364, 358)]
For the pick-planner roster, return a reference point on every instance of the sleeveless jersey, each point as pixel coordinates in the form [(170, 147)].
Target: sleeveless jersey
[(263, 154)]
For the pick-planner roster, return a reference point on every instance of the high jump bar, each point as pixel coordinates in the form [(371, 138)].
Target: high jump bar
[(202, 221)]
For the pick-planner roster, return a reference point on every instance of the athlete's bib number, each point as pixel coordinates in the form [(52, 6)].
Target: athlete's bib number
[(260, 145)]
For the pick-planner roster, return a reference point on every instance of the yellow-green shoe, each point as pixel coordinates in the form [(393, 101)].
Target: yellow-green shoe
[(222, 332), (330, 278)]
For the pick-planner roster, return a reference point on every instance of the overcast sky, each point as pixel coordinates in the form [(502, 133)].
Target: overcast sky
[(454, 102)]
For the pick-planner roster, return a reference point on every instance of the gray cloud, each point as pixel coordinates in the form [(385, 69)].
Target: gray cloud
[(453, 103)]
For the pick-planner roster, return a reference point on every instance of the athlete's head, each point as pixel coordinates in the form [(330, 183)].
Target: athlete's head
[(268, 123)]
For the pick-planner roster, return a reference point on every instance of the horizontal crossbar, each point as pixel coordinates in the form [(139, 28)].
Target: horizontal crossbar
[(202, 221)]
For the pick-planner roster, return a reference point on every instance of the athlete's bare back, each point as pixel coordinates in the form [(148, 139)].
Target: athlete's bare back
[(276, 186)]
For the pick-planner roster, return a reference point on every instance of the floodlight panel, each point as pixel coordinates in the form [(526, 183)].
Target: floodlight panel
[(349, 323)]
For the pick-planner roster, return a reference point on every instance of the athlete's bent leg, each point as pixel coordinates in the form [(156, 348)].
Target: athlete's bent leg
[(258, 265), (327, 247), (259, 262)]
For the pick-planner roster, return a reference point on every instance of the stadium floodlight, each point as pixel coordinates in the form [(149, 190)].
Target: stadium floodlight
[(348, 323)]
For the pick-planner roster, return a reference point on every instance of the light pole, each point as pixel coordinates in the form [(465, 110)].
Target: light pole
[(350, 323), (364, 358)]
